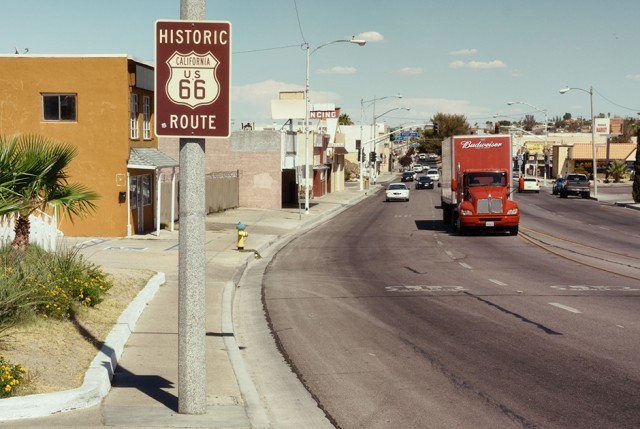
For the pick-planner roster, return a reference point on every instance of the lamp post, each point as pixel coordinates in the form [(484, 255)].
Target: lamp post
[(362, 107), (374, 137), (593, 137), (546, 129), (358, 42)]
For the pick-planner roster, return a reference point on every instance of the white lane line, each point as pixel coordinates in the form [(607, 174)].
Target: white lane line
[(564, 307), (439, 243), (498, 282), (467, 266), (449, 254)]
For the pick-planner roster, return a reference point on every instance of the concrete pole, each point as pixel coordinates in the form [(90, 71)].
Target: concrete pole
[(192, 398)]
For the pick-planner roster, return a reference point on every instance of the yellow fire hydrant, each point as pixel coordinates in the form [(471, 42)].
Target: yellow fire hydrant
[(242, 234)]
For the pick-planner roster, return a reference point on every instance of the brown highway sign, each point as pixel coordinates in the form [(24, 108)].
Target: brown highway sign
[(192, 78)]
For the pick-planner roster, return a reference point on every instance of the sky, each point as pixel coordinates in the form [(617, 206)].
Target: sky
[(458, 57)]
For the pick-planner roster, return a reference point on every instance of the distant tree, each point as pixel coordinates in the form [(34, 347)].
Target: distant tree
[(451, 125), (405, 160), (529, 122), (447, 125), (566, 117), (345, 119)]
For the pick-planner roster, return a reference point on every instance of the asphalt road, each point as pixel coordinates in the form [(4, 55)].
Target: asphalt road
[(391, 320)]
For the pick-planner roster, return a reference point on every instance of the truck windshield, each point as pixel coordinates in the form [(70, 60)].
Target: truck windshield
[(487, 179)]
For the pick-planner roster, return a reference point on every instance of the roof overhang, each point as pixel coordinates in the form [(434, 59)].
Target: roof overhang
[(149, 159)]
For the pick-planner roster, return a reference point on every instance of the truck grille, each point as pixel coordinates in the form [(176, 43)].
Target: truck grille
[(490, 205)]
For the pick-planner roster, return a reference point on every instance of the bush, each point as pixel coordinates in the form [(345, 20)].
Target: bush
[(51, 284), (10, 377)]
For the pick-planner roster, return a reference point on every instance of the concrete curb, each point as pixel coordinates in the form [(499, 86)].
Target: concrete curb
[(97, 379)]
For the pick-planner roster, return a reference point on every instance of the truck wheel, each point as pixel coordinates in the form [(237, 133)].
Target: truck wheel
[(446, 214), (563, 195), (586, 195), (513, 230), (454, 220)]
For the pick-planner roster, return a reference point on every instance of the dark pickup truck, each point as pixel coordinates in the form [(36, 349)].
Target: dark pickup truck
[(575, 184)]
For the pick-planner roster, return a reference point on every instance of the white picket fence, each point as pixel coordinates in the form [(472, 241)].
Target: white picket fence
[(43, 231)]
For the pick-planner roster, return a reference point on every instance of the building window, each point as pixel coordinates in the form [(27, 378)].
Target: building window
[(133, 118), (59, 107), (146, 117)]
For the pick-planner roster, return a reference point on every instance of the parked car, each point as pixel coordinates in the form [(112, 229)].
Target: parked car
[(557, 186), (424, 182), (397, 191), (528, 184), (433, 174), (408, 176)]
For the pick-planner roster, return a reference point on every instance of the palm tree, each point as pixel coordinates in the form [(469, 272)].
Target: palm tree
[(345, 119), (617, 169), (33, 175)]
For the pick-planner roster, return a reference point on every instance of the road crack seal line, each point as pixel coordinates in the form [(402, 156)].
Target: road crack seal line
[(516, 315), (460, 383)]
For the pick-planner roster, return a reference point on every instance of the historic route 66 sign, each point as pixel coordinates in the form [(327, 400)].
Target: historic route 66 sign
[(193, 78)]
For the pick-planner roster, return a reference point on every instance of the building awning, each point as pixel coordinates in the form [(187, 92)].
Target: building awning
[(621, 151), (149, 159)]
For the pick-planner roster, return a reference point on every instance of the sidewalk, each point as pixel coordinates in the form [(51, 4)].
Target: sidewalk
[(141, 352)]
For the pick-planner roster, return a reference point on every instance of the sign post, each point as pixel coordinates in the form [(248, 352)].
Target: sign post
[(192, 85)]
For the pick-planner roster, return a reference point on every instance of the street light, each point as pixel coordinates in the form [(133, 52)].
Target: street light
[(362, 107), (593, 137), (358, 42), (374, 173), (546, 130)]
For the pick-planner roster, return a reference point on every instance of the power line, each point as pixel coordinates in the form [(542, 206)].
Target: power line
[(299, 23), (615, 104), (266, 49)]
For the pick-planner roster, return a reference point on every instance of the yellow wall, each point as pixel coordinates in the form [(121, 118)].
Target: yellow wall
[(101, 132)]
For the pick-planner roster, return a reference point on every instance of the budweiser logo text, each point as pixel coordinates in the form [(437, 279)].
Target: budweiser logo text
[(480, 145)]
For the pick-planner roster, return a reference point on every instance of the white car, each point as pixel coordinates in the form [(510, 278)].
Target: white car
[(433, 174), (397, 191), (530, 184), (417, 168)]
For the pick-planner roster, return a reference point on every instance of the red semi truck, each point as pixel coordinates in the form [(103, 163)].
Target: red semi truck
[(476, 183)]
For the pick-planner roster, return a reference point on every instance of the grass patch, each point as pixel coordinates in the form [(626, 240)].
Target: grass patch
[(56, 308)]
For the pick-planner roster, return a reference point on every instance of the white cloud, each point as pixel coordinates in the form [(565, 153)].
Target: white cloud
[(471, 51), (370, 36), (478, 65), (338, 70), (410, 71), (252, 102), (633, 76)]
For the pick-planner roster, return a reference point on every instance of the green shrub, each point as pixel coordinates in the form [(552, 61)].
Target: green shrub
[(53, 283), (10, 377)]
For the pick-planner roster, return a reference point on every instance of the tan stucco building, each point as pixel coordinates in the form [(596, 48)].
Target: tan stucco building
[(103, 105)]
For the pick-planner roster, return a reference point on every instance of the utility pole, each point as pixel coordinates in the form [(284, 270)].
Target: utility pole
[(192, 395)]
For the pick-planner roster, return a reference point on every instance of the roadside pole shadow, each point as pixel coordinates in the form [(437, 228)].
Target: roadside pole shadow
[(151, 385)]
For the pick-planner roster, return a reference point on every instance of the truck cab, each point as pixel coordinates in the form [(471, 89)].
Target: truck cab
[(485, 203)]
